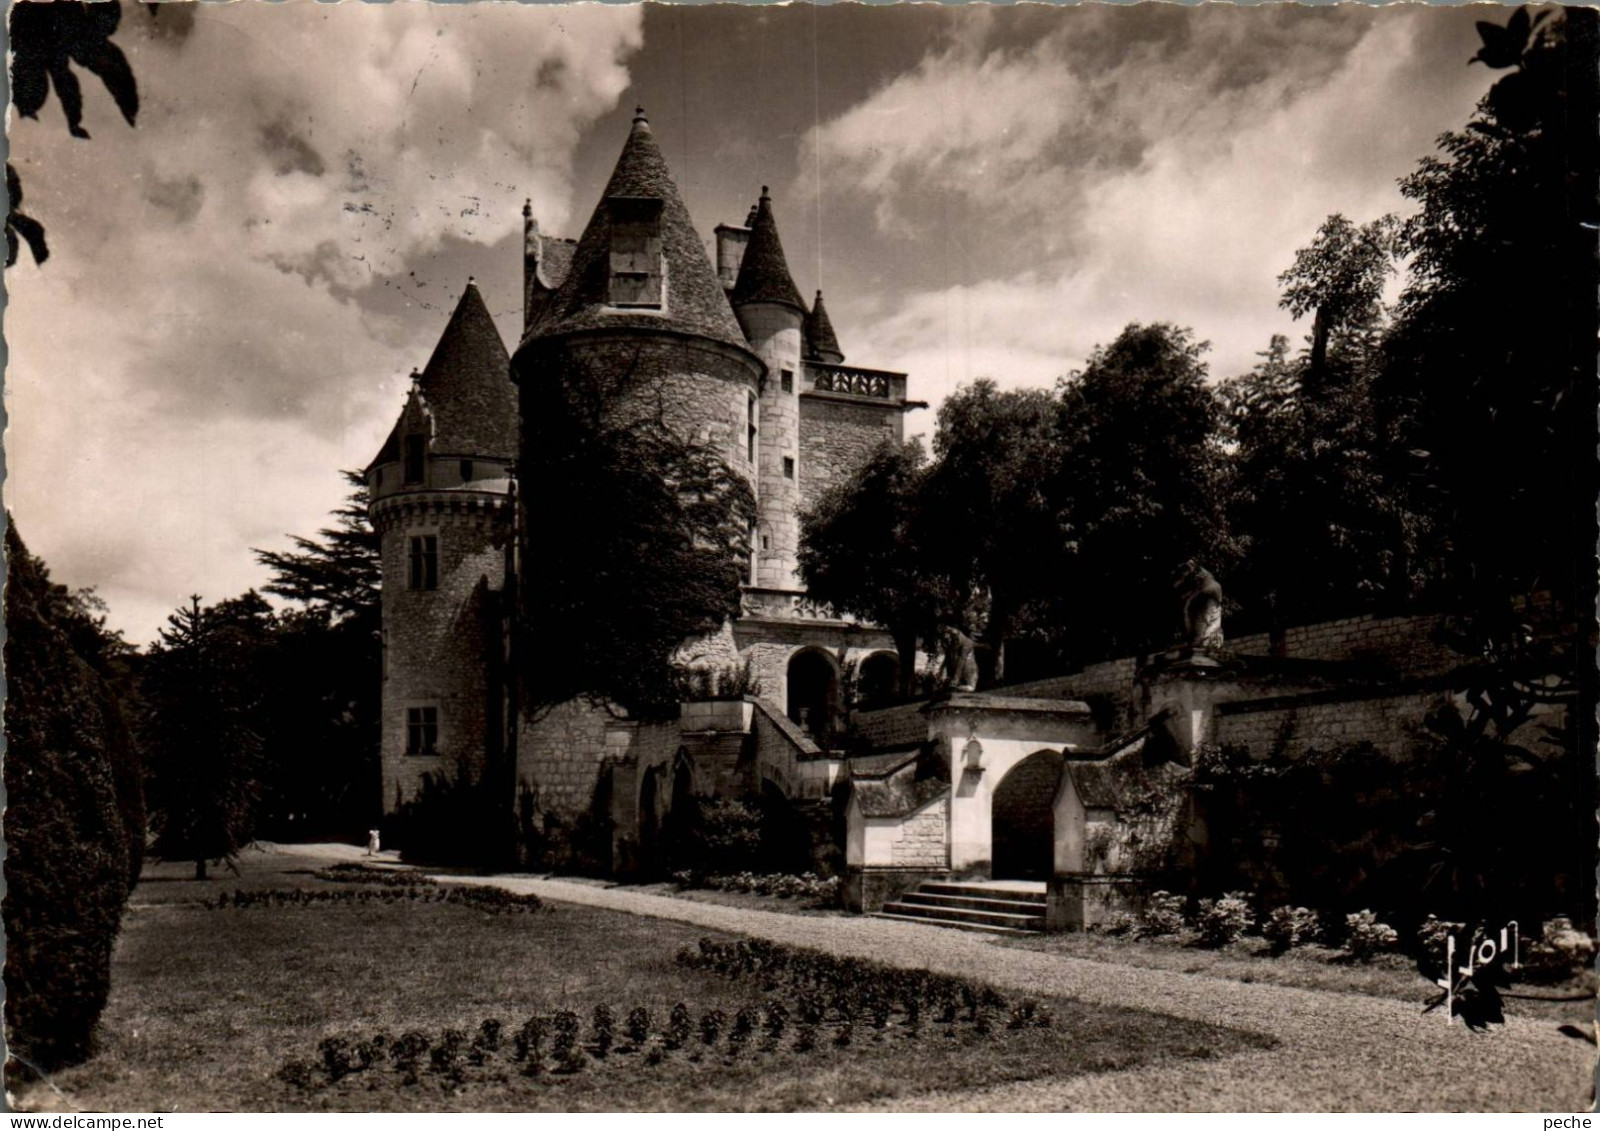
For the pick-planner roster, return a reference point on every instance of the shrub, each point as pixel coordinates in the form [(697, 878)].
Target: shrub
[(678, 1026), (1431, 936), (565, 1026), (1365, 937), (777, 1019), (711, 1023), (460, 821), (602, 1029), (297, 1074), (1162, 915), (67, 865), (1576, 948), (1223, 921), (1289, 927), (528, 1044), (1121, 923), (637, 1026), (338, 1058), (347, 873), (783, 885), (486, 1043)]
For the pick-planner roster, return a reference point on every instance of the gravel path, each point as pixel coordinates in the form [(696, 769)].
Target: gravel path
[(1337, 1052)]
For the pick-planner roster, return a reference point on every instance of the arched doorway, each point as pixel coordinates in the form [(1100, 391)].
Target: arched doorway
[(650, 806), (1022, 833), (813, 694), (878, 679), (679, 824)]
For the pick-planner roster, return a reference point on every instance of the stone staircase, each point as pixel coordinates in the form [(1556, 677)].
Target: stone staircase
[(999, 907)]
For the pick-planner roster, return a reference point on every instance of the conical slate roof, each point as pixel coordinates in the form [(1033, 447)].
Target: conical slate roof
[(467, 385), (821, 342), (694, 300), (763, 272), (466, 388)]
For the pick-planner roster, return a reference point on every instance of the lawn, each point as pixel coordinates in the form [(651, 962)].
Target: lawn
[(1312, 968), (208, 1005)]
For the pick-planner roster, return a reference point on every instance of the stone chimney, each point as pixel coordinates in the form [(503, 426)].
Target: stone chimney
[(731, 242)]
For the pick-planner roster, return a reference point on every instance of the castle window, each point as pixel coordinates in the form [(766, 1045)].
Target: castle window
[(422, 731), (788, 380), (425, 561), (378, 478), (635, 251), (750, 416), (788, 467), (416, 457), (466, 471)]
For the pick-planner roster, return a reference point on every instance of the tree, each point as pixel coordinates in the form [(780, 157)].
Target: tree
[(1140, 483), (993, 527), (340, 570), (69, 828), (203, 728), (1339, 280), (860, 553), (618, 598), (45, 40), (1488, 380), (322, 677), (1308, 456), (1488, 387)]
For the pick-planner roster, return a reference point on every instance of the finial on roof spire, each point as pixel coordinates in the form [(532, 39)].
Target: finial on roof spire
[(638, 117), (416, 376), (527, 208), (472, 280), (766, 193)]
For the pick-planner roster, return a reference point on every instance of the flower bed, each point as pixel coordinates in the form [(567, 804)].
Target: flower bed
[(495, 901), (808, 886)]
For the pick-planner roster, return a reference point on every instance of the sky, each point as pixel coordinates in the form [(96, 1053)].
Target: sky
[(239, 285)]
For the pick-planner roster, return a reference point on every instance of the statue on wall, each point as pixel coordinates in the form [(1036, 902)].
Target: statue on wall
[(960, 659), (1201, 606)]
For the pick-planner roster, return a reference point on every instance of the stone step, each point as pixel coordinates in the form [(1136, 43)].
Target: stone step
[(974, 902), (1012, 920), (983, 927), (983, 891)]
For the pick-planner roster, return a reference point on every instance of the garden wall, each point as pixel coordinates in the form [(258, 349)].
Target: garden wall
[(902, 725)]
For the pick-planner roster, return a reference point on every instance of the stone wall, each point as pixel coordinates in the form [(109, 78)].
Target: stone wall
[(436, 651), (920, 841), (561, 755), (1112, 683), (904, 724), (836, 438), (1403, 643), (1292, 728)]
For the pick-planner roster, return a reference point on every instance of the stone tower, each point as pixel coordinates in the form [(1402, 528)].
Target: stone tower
[(772, 314), (640, 319), (439, 489)]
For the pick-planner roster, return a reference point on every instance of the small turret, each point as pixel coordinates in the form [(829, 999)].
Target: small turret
[(763, 270), (771, 312), (440, 488), (821, 342)]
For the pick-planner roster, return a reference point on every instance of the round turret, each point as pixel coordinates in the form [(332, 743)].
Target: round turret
[(772, 315), (439, 491)]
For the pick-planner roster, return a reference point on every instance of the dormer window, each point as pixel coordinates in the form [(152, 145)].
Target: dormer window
[(635, 251), (416, 458)]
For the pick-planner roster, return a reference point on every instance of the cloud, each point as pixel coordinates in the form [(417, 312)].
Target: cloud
[(1170, 179), (215, 334)]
